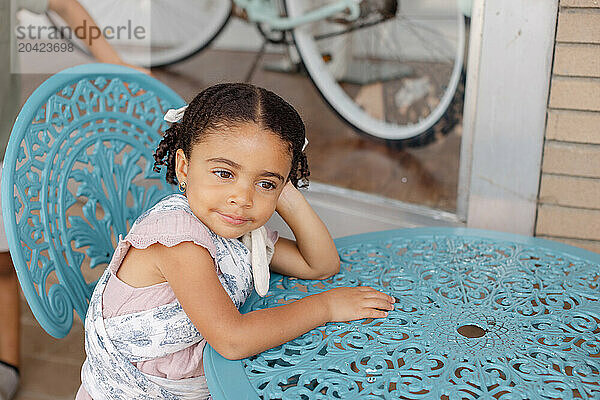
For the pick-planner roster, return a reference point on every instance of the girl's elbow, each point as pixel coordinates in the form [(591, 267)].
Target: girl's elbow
[(228, 344), (231, 354), (230, 351), (335, 266), (333, 269), (234, 347)]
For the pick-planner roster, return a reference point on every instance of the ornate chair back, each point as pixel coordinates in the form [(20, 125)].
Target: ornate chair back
[(78, 171)]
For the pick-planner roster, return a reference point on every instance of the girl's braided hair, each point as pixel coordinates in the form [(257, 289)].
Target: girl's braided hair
[(229, 104)]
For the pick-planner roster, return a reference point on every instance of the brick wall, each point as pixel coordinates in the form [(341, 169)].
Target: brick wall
[(569, 198)]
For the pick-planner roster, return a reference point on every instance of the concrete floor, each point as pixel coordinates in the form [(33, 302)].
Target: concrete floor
[(50, 368), (337, 156)]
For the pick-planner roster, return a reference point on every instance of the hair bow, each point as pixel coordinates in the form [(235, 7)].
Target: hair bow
[(174, 114)]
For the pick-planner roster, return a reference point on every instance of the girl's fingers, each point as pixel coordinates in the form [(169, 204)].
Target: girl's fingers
[(368, 289), (378, 303), (365, 288), (373, 313), (375, 294)]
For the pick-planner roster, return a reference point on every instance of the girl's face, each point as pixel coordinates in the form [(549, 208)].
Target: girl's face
[(234, 178)]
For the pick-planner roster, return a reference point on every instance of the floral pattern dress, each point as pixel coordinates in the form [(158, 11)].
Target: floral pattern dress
[(114, 345)]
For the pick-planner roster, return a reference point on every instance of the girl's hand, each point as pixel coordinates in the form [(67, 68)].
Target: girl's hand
[(351, 303), (289, 195)]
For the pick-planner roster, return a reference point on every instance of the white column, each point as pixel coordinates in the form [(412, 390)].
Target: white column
[(505, 113)]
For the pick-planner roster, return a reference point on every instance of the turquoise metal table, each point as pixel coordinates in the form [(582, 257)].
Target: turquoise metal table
[(479, 315)]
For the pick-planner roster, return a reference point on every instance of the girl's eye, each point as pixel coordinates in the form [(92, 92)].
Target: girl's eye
[(267, 185), (223, 174)]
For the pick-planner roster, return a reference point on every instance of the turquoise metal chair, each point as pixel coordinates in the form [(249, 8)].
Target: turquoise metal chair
[(78, 171)]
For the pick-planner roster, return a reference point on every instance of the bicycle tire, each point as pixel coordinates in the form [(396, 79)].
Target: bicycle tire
[(177, 33), (337, 92)]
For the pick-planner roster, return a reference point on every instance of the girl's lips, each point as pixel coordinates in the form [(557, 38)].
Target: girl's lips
[(233, 220)]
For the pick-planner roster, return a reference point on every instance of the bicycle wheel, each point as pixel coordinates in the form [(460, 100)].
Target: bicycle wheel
[(178, 29), (394, 73)]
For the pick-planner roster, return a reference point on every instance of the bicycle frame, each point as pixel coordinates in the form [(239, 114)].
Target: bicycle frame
[(266, 11)]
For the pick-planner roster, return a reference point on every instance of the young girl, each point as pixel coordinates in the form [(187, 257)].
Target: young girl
[(180, 275)]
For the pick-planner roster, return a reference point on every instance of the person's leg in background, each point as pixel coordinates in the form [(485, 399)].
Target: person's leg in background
[(9, 319), (9, 312), (9, 327)]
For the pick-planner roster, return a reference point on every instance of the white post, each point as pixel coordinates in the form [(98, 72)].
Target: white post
[(470, 107), (505, 113)]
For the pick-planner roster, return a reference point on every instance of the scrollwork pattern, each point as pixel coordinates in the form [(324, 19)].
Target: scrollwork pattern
[(83, 175), (536, 313)]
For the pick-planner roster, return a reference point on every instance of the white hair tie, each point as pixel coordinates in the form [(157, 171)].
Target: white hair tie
[(174, 114), (305, 143)]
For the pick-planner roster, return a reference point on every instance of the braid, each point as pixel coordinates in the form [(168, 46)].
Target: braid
[(302, 172), (165, 152), (230, 104)]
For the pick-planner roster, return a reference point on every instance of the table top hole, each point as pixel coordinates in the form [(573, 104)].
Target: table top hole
[(471, 331)]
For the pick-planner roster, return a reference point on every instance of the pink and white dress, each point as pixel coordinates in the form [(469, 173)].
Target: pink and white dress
[(139, 342)]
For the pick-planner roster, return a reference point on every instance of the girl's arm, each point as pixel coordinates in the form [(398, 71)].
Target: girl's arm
[(190, 271), (313, 255)]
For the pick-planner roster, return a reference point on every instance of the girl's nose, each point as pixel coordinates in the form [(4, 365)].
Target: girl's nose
[(242, 196)]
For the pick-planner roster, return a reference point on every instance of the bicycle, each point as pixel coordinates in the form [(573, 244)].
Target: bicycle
[(405, 92)]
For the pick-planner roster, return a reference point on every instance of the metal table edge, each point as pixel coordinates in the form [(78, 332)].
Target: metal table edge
[(234, 380), (237, 380), (472, 232)]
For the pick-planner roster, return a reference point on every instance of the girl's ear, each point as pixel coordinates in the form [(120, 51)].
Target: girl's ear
[(181, 166)]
